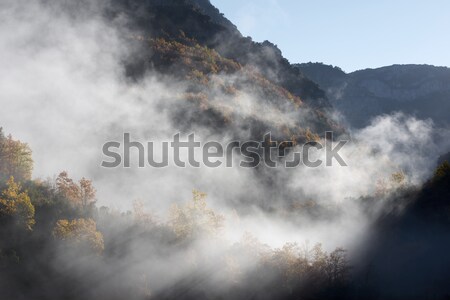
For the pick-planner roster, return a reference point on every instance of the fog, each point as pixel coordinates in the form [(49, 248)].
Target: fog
[(63, 90)]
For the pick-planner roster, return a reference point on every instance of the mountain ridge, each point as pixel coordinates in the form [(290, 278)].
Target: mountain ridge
[(420, 90), (187, 39)]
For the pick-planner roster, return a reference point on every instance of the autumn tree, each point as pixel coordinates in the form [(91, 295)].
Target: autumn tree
[(80, 233), (15, 159), (81, 194), (86, 192), (398, 179), (195, 217), (15, 205)]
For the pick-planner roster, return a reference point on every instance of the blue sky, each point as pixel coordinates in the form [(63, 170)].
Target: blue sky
[(351, 34)]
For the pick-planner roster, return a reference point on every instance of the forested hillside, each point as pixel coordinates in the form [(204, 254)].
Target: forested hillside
[(57, 243)]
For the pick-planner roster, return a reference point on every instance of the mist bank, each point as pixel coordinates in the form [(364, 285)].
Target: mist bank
[(77, 76)]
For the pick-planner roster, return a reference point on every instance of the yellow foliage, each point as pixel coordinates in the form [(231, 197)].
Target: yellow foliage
[(311, 137), (81, 194), (191, 54), (17, 205), (398, 178), (198, 76), (80, 232), (442, 171), (15, 158)]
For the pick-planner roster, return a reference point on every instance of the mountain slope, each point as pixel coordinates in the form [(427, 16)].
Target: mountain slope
[(191, 40), (421, 90)]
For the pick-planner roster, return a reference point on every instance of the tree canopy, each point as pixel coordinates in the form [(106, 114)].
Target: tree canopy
[(15, 158), (15, 205)]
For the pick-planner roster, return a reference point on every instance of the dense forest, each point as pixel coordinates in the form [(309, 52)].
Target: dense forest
[(57, 244)]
